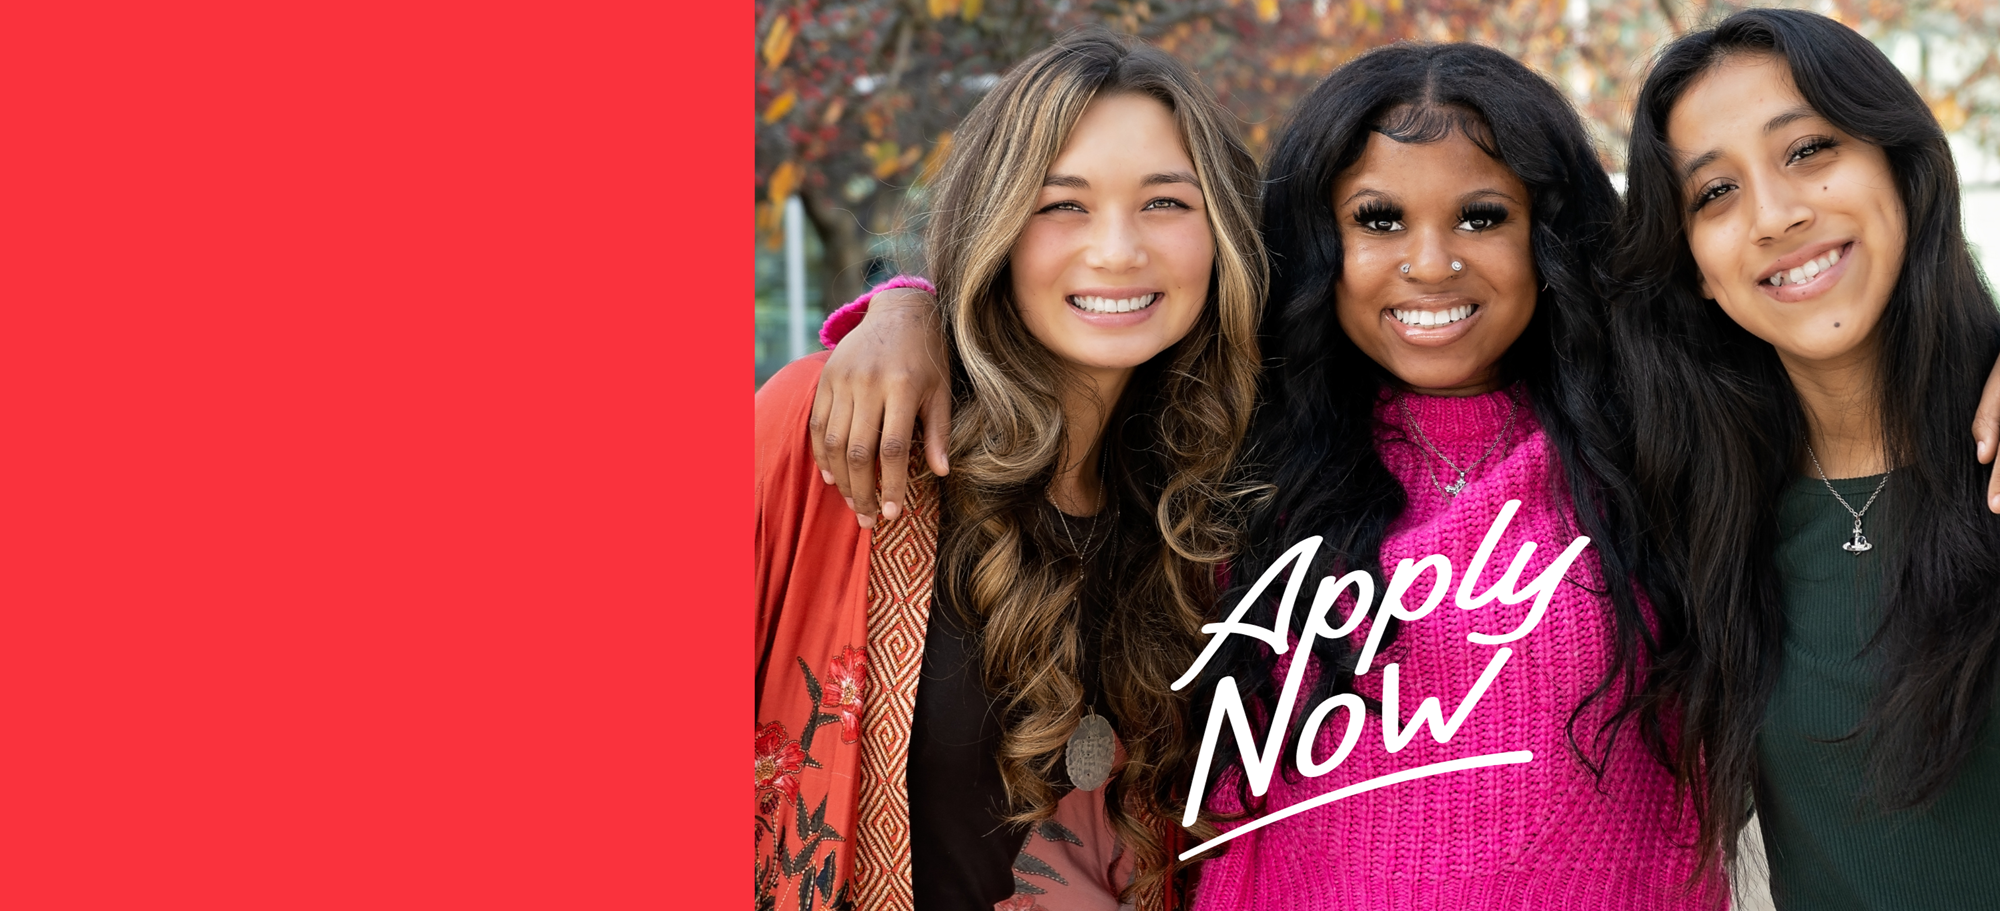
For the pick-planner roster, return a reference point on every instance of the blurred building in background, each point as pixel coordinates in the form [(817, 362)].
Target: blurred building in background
[(856, 100)]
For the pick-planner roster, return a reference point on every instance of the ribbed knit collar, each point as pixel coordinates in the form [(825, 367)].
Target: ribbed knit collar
[(1450, 422)]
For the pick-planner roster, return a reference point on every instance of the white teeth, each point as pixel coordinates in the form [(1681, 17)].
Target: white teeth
[(1810, 270), (1112, 305), (1425, 319)]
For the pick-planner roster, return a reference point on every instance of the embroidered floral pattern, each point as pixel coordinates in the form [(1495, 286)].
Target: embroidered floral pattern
[(849, 676), (783, 815), (779, 760)]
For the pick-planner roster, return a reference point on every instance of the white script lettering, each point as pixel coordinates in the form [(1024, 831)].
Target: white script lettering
[(1260, 762)]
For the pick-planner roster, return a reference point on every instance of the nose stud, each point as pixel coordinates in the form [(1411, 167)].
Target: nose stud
[(1457, 266), (1406, 268)]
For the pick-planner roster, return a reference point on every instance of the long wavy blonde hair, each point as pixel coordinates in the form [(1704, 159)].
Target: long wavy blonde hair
[(1170, 447)]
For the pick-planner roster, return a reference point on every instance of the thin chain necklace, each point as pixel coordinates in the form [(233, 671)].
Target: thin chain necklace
[(1860, 543), (1082, 553), (1088, 752), (1452, 489)]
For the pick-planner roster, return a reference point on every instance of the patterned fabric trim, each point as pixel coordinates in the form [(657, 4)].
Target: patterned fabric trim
[(902, 563)]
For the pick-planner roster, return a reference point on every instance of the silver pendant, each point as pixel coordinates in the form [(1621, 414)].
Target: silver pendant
[(1451, 490), (1088, 753), (1859, 544)]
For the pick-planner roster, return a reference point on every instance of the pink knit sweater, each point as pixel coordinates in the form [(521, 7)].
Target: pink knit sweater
[(1537, 835)]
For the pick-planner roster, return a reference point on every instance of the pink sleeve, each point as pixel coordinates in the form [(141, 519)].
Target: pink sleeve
[(842, 321)]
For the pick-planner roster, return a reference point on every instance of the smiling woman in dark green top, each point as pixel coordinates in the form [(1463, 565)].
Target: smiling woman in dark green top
[(1830, 842), (1803, 334)]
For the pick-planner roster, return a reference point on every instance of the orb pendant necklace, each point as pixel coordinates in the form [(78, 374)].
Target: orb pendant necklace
[(1859, 543), (1087, 755)]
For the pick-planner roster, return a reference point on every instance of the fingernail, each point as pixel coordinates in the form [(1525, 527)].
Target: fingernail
[(850, 502), (890, 511), (1983, 447), (866, 521), (826, 476), (1994, 503)]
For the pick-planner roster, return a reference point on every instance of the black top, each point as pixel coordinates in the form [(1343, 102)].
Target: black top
[(961, 851)]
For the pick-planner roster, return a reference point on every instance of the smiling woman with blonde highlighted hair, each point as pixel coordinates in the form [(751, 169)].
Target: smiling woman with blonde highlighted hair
[(1092, 235)]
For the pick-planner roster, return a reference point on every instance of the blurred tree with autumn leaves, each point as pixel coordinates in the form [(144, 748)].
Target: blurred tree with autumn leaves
[(856, 100)]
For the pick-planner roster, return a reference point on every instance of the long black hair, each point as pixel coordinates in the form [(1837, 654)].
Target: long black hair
[(1313, 437), (1725, 430)]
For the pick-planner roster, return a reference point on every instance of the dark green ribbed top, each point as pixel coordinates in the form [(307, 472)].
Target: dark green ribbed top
[(1830, 846)]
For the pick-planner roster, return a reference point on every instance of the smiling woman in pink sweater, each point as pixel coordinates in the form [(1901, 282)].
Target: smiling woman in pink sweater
[(1435, 352), (1546, 833)]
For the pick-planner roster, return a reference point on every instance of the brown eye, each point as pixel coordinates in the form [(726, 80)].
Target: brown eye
[(1813, 146), (1709, 194)]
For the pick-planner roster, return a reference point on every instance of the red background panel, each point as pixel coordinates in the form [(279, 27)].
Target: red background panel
[(374, 401)]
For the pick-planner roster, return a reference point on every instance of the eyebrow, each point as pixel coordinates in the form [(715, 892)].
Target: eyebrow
[(1698, 162), (1484, 193), (1779, 122), (1488, 193), (1074, 182), (1792, 116), (1170, 177), (1365, 191)]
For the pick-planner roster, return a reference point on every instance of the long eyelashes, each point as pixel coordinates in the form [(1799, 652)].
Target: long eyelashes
[(1481, 216), (1384, 217), (1376, 215)]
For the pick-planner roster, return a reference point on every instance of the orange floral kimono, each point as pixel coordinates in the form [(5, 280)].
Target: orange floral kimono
[(841, 617)]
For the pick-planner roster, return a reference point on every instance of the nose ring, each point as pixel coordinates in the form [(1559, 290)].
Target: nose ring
[(1457, 266), (1406, 268)]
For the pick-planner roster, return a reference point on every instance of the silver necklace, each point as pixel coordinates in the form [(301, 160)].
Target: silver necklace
[(1087, 754), (1452, 489), (1860, 543), (1062, 518)]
